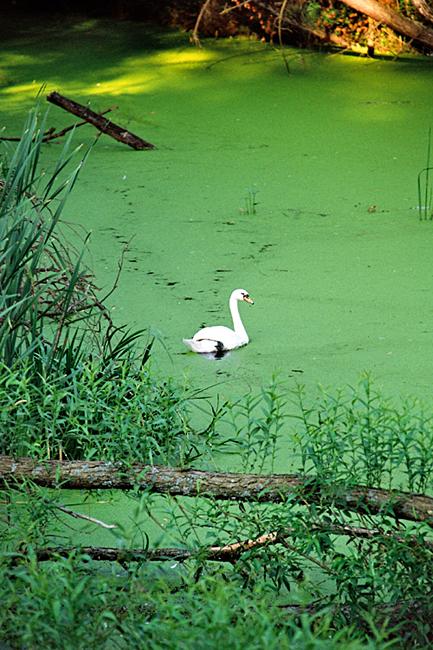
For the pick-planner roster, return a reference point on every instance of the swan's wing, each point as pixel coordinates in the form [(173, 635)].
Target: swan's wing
[(226, 337), (203, 346), (214, 339), (216, 333)]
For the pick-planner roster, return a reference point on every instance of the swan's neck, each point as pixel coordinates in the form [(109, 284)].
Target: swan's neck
[(238, 325)]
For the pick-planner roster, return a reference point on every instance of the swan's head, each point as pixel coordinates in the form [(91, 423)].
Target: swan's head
[(241, 294)]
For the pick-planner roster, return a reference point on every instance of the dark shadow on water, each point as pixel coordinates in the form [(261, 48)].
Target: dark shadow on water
[(216, 356), (212, 356)]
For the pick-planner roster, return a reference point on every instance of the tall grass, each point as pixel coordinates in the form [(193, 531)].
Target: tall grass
[(50, 314), (68, 607), (37, 280)]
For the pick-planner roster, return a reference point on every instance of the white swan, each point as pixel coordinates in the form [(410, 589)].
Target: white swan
[(218, 339)]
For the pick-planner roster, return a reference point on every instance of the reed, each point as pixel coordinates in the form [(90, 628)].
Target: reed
[(425, 188), (250, 202), (50, 313)]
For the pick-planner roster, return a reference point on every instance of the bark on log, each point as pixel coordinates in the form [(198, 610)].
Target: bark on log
[(400, 24), (424, 9), (109, 554), (274, 488), (105, 126)]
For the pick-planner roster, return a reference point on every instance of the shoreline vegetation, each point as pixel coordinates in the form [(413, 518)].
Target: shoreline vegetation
[(367, 27), (333, 554)]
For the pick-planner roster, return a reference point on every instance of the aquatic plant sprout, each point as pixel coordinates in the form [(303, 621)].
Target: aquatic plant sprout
[(425, 187), (250, 202)]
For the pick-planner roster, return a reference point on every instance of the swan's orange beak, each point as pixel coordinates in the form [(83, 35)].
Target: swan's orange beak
[(249, 300)]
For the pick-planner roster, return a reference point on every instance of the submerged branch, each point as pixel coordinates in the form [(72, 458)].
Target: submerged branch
[(229, 552), (272, 488)]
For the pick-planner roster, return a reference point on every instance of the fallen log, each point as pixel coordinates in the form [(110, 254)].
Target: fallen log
[(272, 488), (379, 12), (105, 126), (400, 24)]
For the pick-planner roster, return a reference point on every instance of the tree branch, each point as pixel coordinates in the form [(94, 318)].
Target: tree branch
[(105, 126), (194, 35), (229, 552), (78, 515)]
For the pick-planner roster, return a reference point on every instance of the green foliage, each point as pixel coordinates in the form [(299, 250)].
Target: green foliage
[(64, 606), (360, 590), (112, 413), (358, 436), (250, 202), (319, 553), (37, 282), (67, 604), (256, 422)]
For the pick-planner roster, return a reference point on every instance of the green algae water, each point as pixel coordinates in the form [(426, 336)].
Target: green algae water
[(334, 255), (332, 250)]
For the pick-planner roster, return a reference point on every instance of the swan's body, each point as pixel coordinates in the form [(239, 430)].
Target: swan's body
[(219, 339)]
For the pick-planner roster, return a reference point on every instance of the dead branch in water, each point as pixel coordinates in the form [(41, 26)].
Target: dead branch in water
[(52, 134), (105, 126)]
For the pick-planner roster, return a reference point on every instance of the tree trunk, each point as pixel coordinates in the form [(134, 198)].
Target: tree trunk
[(398, 23), (102, 124), (274, 488)]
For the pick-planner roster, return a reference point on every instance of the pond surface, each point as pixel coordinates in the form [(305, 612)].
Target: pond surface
[(339, 265), (335, 257)]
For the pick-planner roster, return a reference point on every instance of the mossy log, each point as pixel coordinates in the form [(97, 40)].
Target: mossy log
[(272, 488)]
